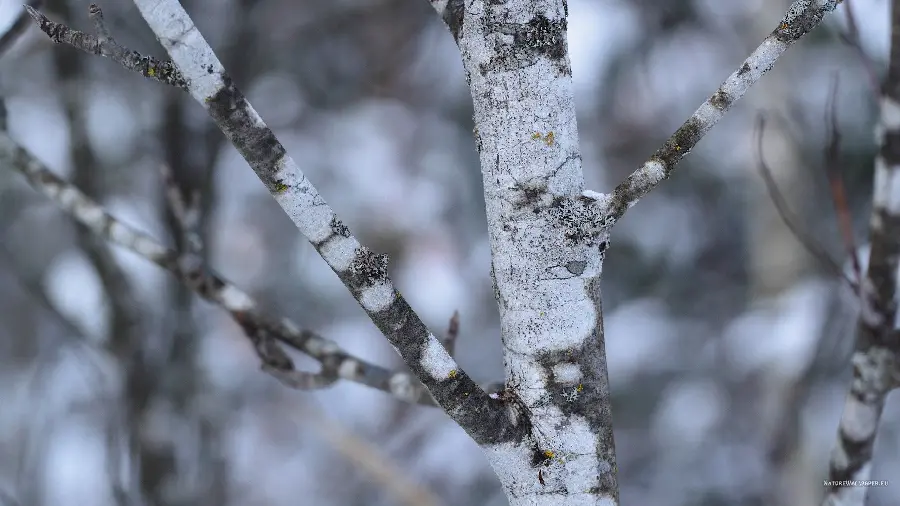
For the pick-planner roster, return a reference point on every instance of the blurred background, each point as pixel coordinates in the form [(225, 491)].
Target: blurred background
[(728, 343)]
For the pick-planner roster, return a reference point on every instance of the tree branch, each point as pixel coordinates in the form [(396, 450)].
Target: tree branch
[(104, 45), (187, 267), (197, 69), (802, 16), (876, 357)]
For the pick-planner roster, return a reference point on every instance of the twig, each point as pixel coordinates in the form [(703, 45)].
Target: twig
[(836, 184), (147, 66), (787, 217), (802, 16)]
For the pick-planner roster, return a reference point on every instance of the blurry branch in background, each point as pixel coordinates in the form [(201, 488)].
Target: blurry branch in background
[(838, 195), (876, 356), (368, 459), (786, 440), (787, 216), (191, 270), (802, 16), (8, 38)]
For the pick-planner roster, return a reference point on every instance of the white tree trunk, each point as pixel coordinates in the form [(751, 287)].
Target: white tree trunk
[(547, 250)]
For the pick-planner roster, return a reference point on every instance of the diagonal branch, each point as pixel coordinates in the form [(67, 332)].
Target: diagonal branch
[(361, 270), (802, 16), (104, 45), (262, 330)]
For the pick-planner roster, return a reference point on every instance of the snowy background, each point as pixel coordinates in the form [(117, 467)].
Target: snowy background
[(727, 342)]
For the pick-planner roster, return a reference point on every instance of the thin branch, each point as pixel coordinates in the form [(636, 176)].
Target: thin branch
[(262, 330), (836, 184), (147, 66), (876, 357), (787, 217), (802, 16)]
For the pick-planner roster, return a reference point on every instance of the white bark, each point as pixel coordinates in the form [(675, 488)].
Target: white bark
[(548, 434), (546, 247)]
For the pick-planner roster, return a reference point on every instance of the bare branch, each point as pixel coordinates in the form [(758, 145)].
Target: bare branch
[(787, 217), (876, 357), (187, 214), (836, 184), (802, 16), (262, 330), (147, 66)]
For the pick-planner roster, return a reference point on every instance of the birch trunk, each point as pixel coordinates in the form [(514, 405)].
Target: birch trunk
[(546, 249)]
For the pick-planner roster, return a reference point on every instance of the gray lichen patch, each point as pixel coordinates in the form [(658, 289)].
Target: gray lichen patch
[(800, 19), (254, 140), (368, 268), (543, 36), (579, 220), (680, 144), (519, 45), (339, 228)]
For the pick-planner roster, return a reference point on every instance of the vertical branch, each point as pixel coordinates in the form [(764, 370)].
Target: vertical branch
[(877, 352)]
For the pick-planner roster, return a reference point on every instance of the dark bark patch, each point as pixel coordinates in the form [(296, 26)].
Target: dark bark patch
[(257, 144)]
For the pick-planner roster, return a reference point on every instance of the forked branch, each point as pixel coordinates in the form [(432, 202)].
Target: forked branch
[(196, 68)]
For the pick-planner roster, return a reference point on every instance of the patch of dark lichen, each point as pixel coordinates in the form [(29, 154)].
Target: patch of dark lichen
[(453, 16), (720, 100), (744, 69), (367, 268), (543, 36), (338, 227), (579, 221), (256, 143), (799, 21), (682, 141)]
